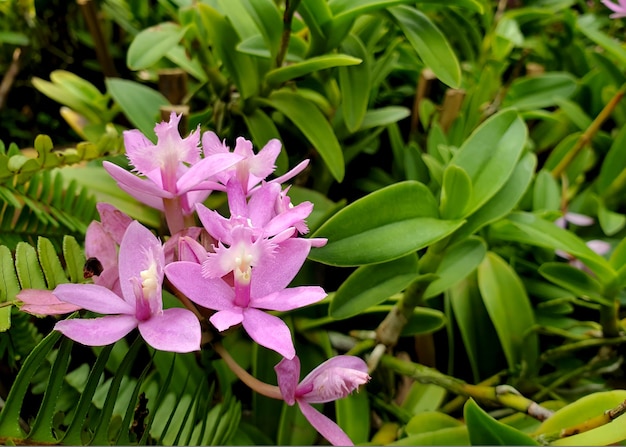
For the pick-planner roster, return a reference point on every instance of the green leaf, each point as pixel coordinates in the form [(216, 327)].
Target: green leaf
[(268, 20), (9, 286), (28, 268), (152, 43), (613, 167), (546, 192), (458, 261), (370, 285), (140, 104), (313, 124), (444, 436), (353, 416), (485, 430), (430, 421), (455, 192), (74, 258), (610, 221), (538, 92), (589, 26), (575, 280), (504, 295), (384, 116), (51, 266), (429, 43), (256, 46), (583, 409), (281, 75), (490, 154), (354, 83), (384, 225)]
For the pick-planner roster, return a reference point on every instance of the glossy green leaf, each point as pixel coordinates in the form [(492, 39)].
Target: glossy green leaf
[(423, 398), (444, 436), (384, 116), (281, 75), (613, 167), (472, 5), (546, 192), (423, 321), (455, 192), (458, 261), (485, 430), (51, 266), (140, 103), (430, 44), (268, 20), (384, 225), (574, 280), (9, 286), (314, 125), (583, 409), (537, 92), (505, 199), (317, 16), (255, 46), (504, 295), (353, 8), (64, 95), (151, 44), (353, 416), (28, 268), (588, 25), (370, 285), (610, 221), (490, 154), (430, 421), (531, 229), (74, 259), (354, 83)]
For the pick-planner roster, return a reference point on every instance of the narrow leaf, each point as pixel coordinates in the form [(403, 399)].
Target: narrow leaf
[(152, 43), (283, 74), (354, 82), (485, 430), (28, 268)]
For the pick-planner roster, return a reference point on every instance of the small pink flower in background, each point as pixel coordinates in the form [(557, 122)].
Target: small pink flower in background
[(619, 8), (140, 305), (43, 302), (332, 380), (598, 246)]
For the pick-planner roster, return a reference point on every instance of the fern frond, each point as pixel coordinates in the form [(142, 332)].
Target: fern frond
[(43, 206)]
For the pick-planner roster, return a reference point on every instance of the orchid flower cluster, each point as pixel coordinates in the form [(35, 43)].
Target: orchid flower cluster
[(255, 254)]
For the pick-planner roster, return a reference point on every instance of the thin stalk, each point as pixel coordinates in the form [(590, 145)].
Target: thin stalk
[(290, 9)]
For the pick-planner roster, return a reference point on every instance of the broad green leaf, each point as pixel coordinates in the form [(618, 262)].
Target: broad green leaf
[(384, 225), (77, 86), (490, 154), (455, 192), (314, 125), (255, 46), (505, 199), (9, 286), (617, 259), (444, 436), (355, 8), (537, 92), (459, 260), (28, 268), (546, 192), (583, 409), (531, 229), (430, 421), (613, 168), (370, 285), (241, 67), (353, 416), (423, 398), (74, 258), (152, 43), (485, 430), (281, 75), (263, 129), (574, 280), (354, 82), (5, 318), (140, 103), (588, 25), (610, 221), (384, 116), (64, 95), (179, 56), (268, 20), (504, 296), (317, 16), (51, 266), (429, 43)]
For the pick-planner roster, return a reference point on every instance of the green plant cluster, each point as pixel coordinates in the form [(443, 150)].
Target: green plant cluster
[(454, 147)]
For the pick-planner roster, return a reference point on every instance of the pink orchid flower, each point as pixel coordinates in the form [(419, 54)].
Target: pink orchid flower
[(43, 302), (332, 380), (141, 261), (263, 287), (619, 8), (173, 169), (252, 168)]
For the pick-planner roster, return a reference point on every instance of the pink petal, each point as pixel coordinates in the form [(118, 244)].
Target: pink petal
[(600, 247), (139, 248), (269, 331), (224, 319), (236, 198), (100, 244), (113, 221), (211, 144), (97, 331), (205, 168), (262, 164), (94, 298), (289, 299), (275, 273), (579, 219), (287, 375), (335, 378), (212, 293), (289, 175), (294, 217), (130, 182), (43, 302), (214, 223), (327, 428), (261, 204), (175, 330)]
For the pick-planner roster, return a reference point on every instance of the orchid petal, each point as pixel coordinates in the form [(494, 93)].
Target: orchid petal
[(261, 205), (269, 331), (174, 330), (132, 184), (276, 272), (224, 319), (205, 168), (114, 221), (287, 375), (94, 298), (326, 427), (341, 375), (263, 164), (579, 219), (212, 293), (100, 244), (289, 299), (236, 199), (211, 144), (43, 302), (214, 223), (97, 331), (291, 174), (294, 217), (599, 246)]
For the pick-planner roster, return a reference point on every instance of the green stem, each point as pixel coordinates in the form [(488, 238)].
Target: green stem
[(290, 9)]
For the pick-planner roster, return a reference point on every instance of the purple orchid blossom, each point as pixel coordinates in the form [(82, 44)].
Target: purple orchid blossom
[(43, 302), (140, 305), (261, 287), (332, 380), (173, 169), (619, 8)]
